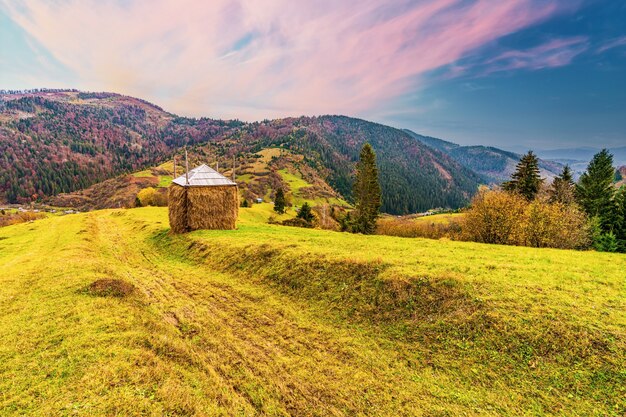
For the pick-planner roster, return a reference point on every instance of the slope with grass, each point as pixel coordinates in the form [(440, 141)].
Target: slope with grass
[(105, 313)]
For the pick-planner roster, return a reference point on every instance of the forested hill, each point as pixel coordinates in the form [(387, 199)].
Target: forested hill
[(493, 164), (60, 141)]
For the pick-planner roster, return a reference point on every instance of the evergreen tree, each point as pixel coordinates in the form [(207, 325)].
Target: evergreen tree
[(279, 201), (525, 180), (367, 193), (305, 213), (595, 190), (620, 219), (562, 190)]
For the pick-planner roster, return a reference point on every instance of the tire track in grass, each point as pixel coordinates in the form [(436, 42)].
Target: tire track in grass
[(263, 349)]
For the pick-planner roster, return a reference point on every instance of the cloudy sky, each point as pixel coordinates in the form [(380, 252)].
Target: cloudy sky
[(512, 73)]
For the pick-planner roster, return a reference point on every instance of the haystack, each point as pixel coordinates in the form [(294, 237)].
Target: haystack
[(203, 199)]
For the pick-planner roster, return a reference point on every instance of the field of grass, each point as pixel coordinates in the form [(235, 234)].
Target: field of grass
[(273, 320)]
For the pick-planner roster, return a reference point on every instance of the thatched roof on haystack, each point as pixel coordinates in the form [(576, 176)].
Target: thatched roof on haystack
[(203, 176), (203, 199)]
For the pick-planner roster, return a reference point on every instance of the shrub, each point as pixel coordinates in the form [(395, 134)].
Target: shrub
[(21, 217), (421, 228), (297, 222), (505, 218), (494, 218), (556, 225), (151, 197), (605, 242)]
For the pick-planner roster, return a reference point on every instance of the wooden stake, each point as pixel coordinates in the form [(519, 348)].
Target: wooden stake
[(186, 168)]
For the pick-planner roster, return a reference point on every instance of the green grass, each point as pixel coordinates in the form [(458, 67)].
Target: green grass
[(276, 320), (165, 181), (143, 174), (296, 183)]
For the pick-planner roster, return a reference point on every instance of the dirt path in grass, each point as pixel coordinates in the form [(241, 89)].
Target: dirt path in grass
[(267, 354)]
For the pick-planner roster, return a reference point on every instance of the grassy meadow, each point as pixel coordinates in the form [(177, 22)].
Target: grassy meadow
[(274, 320)]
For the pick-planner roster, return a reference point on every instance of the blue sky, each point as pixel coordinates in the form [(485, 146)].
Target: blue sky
[(517, 74)]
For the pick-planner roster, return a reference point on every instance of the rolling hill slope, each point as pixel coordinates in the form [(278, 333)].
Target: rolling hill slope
[(63, 141), (105, 313)]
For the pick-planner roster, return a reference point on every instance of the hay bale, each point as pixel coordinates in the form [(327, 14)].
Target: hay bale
[(177, 208), (210, 207), (215, 207)]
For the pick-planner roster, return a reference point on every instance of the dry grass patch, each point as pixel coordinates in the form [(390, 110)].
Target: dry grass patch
[(108, 287)]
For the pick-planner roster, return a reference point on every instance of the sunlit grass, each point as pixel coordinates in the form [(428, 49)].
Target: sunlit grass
[(279, 320)]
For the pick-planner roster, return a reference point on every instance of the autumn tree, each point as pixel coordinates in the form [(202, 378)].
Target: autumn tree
[(279, 201), (525, 180), (508, 218), (494, 217), (367, 193), (563, 187)]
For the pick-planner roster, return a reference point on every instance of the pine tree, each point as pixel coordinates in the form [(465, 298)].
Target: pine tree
[(367, 194), (279, 201), (305, 213), (562, 190), (525, 180), (620, 219), (595, 189)]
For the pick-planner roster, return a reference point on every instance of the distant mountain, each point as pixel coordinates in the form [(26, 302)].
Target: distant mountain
[(584, 154), (621, 176), (61, 141), (578, 158), (493, 164)]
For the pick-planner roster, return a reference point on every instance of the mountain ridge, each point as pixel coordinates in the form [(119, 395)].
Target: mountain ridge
[(495, 165), (58, 141)]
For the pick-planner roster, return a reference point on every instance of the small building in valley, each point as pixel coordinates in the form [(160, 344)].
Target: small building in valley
[(202, 199)]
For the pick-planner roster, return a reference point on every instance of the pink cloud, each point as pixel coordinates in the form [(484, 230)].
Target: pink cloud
[(554, 53), (304, 57), (614, 43)]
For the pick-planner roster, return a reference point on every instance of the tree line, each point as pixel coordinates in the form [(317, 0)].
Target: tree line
[(565, 214)]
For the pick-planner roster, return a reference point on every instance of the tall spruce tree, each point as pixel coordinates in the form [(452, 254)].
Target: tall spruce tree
[(279, 201), (620, 219), (367, 194), (595, 190), (525, 180), (562, 189)]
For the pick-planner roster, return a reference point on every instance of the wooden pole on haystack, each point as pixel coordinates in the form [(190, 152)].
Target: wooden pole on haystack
[(174, 166), (186, 168), (233, 168)]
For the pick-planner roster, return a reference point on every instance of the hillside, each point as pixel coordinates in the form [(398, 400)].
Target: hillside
[(257, 175), (493, 164), (104, 313), (62, 141)]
